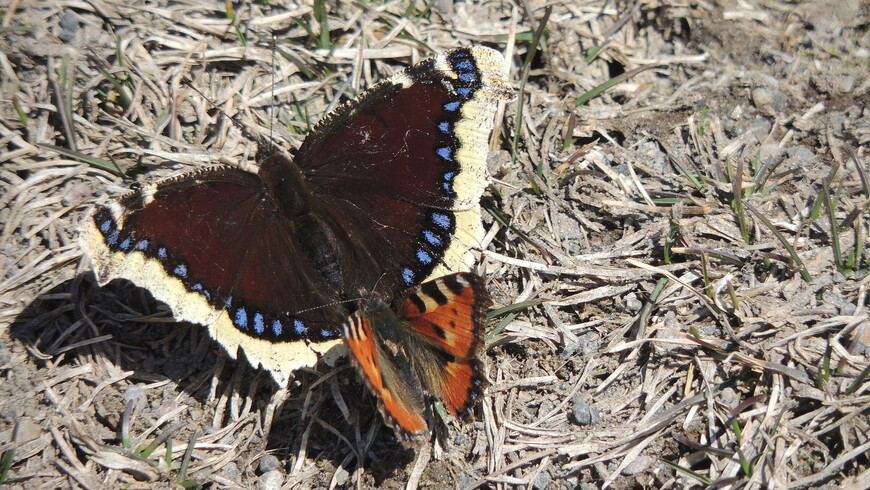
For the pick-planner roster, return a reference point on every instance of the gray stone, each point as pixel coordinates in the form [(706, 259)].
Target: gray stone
[(639, 465), (268, 463), (69, 24), (762, 97), (632, 303), (584, 413), (542, 481), (270, 480), (760, 127)]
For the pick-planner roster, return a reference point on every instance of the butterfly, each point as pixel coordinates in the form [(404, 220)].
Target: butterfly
[(384, 190), (430, 347)]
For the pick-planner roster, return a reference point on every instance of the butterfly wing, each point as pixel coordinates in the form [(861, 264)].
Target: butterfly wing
[(447, 317), (386, 370), (431, 346), (407, 161), (213, 249)]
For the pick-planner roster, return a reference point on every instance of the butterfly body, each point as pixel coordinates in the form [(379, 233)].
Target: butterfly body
[(382, 191), (430, 348)]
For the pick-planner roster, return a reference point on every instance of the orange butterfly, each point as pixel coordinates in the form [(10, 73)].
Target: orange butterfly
[(430, 348)]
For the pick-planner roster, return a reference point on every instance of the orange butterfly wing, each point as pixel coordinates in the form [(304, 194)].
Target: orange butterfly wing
[(400, 403), (448, 316)]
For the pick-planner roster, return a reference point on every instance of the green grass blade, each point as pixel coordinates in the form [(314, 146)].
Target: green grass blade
[(96, 162), (610, 83), (527, 64), (805, 274)]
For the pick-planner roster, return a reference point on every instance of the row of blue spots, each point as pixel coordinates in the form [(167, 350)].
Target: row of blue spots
[(200, 289), (239, 315), (447, 185), (125, 245), (243, 322), (435, 237), (467, 74)]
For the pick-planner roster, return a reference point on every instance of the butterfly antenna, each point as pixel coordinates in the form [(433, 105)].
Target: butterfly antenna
[(274, 100), (328, 305), (265, 146), (375, 287)]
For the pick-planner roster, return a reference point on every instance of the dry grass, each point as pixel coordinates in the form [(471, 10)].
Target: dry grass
[(685, 253)]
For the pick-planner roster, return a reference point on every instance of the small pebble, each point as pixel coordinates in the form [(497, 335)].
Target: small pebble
[(800, 152), (632, 303), (542, 481), (69, 24), (846, 84), (230, 471), (584, 413), (760, 127), (270, 480), (762, 97), (639, 465), (268, 463)]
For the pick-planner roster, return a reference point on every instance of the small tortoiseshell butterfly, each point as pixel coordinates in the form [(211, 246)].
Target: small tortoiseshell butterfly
[(430, 348)]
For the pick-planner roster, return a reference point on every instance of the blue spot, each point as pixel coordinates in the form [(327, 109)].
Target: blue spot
[(105, 226), (326, 333), (431, 238), (113, 237), (452, 106), (445, 153), (142, 245), (181, 270), (241, 318), (408, 275), (277, 328), (125, 244), (444, 127), (424, 257), (299, 327), (465, 65), (229, 302), (198, 287), (161, 252), (449, 175), (468, 77), (464, 92), (447, 187), (441, 220), (258, 323)]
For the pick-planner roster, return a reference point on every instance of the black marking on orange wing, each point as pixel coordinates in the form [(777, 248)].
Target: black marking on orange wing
[(453, 331)]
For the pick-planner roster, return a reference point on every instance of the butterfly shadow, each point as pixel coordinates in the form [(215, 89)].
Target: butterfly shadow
[(135, 375)]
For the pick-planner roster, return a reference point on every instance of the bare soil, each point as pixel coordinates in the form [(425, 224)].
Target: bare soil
[(683, 257)]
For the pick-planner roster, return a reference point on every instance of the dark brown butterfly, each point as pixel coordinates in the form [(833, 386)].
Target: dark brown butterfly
[(384, 190)]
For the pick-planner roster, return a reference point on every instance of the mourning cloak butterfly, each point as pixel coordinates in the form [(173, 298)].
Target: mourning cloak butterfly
[(384, 190), (430, 348)]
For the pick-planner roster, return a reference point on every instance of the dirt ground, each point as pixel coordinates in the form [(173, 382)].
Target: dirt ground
[(677, 263)]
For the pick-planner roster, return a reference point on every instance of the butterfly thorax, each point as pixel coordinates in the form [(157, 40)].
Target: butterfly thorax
[(287, 190), (286, 186)]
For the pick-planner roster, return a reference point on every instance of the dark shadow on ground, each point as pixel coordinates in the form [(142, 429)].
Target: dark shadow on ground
[(120, 325)]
